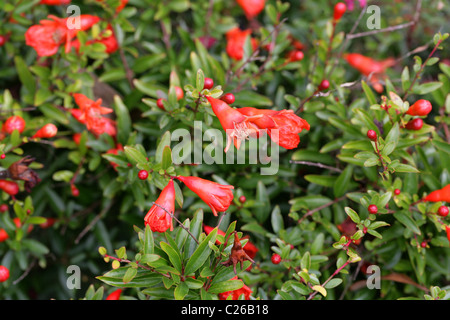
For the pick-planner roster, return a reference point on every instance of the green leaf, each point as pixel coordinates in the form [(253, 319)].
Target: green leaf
[(163, 143), (306, 261), (224, 286), (135, 155), (166, 158), (441, 146), (129, 275), (343, 181), (25, 75), (263, 203), (35, 247), (181, 291), (407, 221), (277, 219), (352, 214), (333, 283), (427, 87), (200, 254), (123, 120), (369, 93), (321, 180), (173, 255), (393, 136), (195, 229), (200, 80)]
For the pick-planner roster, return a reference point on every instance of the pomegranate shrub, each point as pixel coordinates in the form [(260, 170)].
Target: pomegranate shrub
[(221, 150)]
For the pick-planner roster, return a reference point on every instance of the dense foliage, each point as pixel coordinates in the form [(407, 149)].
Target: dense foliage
[(350, 102)]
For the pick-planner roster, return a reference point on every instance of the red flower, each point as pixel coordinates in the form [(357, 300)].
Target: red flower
[(420, 108), (217, 196), (55, 2), (47, 131), (122, 5), (115, 295), (158, 218), (251, 7), (13, 123), (288, 124), (235, 42), (90, 114), (245, 290), (237, 125), (46, 37), (370, 67), (439, 195)]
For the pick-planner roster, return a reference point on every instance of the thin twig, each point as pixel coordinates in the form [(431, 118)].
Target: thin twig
[(388, 29), (179, 222), (93, 222), (326, 205), (316, 164), (27, 271)]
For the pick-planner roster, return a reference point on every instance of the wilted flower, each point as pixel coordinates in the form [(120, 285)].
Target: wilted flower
[(237, 255), (19, 170)]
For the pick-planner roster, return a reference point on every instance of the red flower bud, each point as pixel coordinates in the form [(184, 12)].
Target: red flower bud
[(372, 135), (324, 85), (74, 190), (179, 92), (208, 84), (143, 174), (339, 10), (47, 131), (443, 211), (14, 123), (48, 223), (160, 103), (158, 217), (295, 55), (4, 273), (276, 258), (217, 196), (228, 98), (439, 195), (373, 208), (10, 187), (420, 108), (415, 124)]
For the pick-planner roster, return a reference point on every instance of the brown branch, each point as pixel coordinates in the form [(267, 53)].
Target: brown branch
[(326, 205), (316, 164), (388, 29)]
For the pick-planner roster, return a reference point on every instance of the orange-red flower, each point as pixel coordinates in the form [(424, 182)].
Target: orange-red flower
[(158, 217), (286, 122), (237, 125), (370, 67), (49, 35), (439, 195), (90, 114), (251, 7), (217, 196), (235, 42), (245, 290)]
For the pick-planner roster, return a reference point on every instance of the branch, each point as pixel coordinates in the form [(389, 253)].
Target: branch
[(326, 205), (388, 29), (316, 164)]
